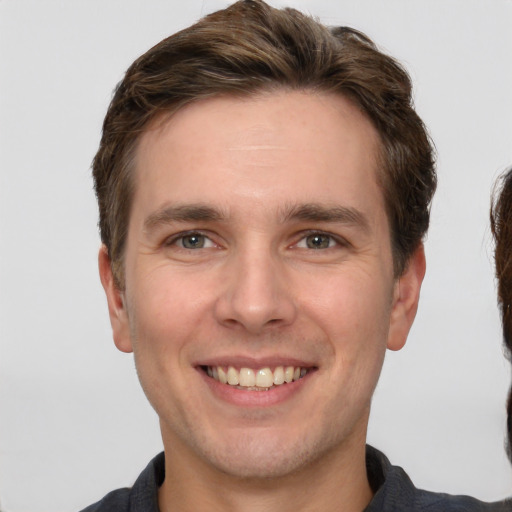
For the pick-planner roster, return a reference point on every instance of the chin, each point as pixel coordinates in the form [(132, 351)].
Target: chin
[(258, 457), (261, 466)]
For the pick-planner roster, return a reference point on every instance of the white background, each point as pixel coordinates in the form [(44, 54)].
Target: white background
[(73, 421)]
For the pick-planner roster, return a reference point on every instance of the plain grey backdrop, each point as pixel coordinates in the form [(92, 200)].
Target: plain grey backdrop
[(73, 422)]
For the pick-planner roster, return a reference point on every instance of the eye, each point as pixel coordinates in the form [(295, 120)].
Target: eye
[(192, 241), (317, 241)]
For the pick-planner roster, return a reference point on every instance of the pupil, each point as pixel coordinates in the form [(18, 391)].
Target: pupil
[(318, 242), (193, 241)]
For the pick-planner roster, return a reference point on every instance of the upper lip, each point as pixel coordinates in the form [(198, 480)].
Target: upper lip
[(254, 362)]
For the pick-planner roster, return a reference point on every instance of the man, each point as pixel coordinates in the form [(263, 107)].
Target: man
[(264, 187)]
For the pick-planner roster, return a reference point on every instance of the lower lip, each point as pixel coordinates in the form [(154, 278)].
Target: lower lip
[(244, 398)]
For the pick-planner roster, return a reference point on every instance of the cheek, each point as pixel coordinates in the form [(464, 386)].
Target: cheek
[(353, 311), (168, 305), (160, 326), (162, 323), (351, 303)]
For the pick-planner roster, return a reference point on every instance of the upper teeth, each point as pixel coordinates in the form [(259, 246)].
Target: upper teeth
[(262, 378)]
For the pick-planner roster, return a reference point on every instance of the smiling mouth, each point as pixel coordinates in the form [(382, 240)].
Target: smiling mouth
[(262, 379)]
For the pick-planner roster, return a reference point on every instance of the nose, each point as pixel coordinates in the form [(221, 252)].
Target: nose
[(255, 294)]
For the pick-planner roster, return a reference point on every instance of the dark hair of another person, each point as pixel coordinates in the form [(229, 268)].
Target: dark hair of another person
[(250, 48), (501, 226)]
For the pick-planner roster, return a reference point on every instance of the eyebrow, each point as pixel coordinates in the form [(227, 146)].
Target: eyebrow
[(331, 214), (182, 213), (310, 212)]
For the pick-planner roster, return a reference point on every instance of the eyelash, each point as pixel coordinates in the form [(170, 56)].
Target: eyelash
[(337, 241), (173, 240), (333, 240)]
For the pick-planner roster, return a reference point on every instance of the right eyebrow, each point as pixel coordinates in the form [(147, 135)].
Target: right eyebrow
[(181, 213)]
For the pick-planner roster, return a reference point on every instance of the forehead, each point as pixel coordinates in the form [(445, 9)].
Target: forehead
[(271, 149)]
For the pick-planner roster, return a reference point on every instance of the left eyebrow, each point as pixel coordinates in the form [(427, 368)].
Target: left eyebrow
[(331, 214)]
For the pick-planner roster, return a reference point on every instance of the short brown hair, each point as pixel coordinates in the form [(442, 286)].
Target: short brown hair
[(501, 226), (251, 47)]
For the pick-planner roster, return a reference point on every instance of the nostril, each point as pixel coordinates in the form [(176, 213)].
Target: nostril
[(254, 301)]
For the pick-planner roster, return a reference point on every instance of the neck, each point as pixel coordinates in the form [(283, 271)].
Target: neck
[(336, 481)]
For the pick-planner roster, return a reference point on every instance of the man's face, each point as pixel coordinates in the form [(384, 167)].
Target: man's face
[(259, 250)]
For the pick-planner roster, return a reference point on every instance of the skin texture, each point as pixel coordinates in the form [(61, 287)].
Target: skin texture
[(254, 183)]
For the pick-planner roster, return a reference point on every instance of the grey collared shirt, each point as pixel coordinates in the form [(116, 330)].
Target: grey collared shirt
[(394, 492)]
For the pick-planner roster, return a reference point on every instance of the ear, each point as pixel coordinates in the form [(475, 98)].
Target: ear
[(405, 300), (116, 304)]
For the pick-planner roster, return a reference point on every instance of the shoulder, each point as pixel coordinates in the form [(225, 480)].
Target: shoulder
[(434, 502), (394, 492), (142, 497), (115, 501)]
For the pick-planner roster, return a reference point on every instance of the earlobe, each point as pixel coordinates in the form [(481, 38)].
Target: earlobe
[(405, 301), (116, 304)]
